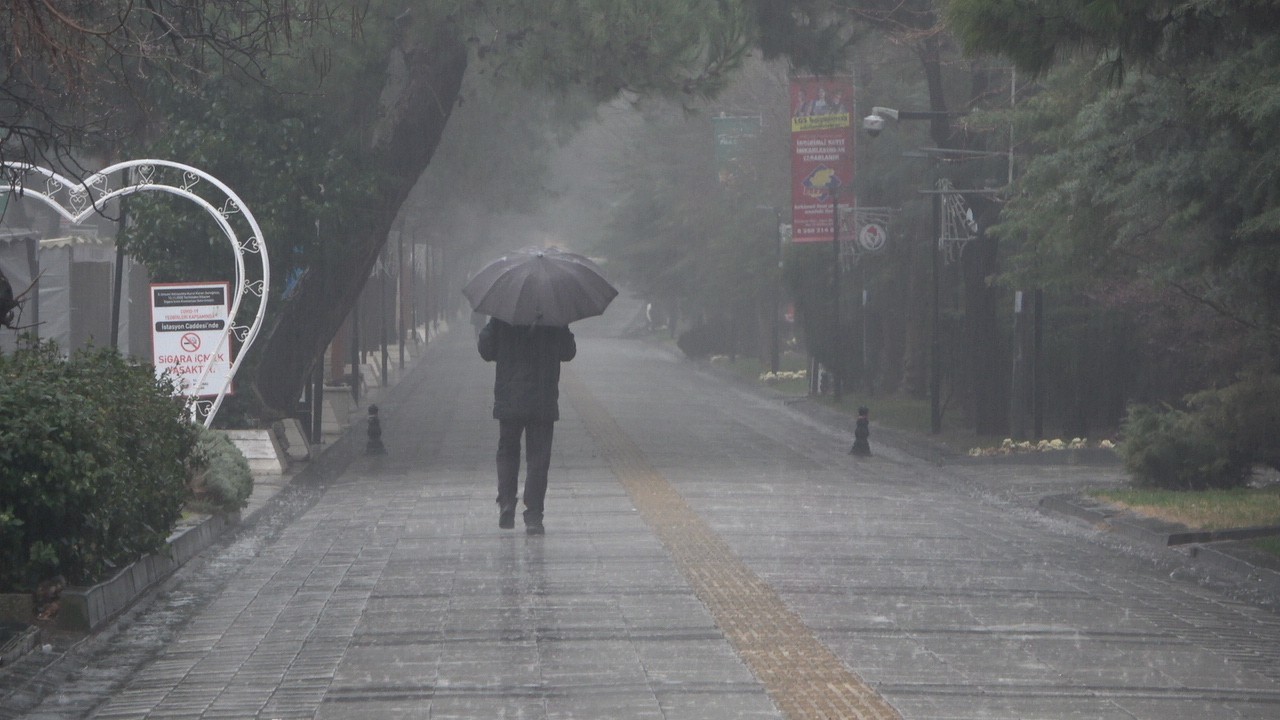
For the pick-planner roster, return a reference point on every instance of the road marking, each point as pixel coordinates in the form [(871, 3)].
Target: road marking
[(802, 676)]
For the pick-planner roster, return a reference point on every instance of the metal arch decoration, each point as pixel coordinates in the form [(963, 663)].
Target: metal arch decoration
[(77, 201), (958, 225)]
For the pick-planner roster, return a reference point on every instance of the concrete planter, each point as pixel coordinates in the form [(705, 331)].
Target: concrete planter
[(18, 634), (21, 640), (86, 609)]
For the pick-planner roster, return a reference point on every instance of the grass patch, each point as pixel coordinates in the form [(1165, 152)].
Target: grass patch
[(894, 411), (1205, 509)]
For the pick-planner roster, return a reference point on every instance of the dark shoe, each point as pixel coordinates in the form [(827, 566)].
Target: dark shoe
[(507, 518), (533, 524)]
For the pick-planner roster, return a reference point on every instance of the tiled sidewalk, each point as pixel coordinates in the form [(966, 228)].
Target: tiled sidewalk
[(710, 554)]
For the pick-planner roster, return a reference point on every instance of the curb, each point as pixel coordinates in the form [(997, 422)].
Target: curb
[(1257, 569), (22, 643), (1221, 550), (87, 609), (1151, 530), (1109, 519)]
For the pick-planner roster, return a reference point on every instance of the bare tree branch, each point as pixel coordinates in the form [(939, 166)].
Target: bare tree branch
[(68, 66)]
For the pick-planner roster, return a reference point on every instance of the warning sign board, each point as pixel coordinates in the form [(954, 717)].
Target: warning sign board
[(188, 324)]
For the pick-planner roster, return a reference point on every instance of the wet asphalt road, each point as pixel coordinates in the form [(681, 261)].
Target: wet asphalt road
[(710, 553)]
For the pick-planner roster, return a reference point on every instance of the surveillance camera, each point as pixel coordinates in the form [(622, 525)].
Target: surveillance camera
[(873, 124)]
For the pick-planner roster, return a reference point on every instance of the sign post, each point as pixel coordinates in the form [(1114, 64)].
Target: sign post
[(188, 326), (74, 201)]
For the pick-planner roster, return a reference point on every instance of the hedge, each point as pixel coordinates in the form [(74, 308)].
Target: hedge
[(95, 453)]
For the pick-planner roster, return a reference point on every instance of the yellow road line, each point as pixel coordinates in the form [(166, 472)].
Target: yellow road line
[(802, 676)]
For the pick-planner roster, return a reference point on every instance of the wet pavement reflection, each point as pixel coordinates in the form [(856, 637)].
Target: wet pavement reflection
[(711, 553)]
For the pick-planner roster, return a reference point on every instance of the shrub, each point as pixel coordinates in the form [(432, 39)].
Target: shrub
[(220, 480), (93, 463), (1175, 450), (1246, 415), (1214, 443)]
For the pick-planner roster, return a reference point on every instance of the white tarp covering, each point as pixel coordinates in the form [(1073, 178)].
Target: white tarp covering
[(58, 309), (15, 252), (55, 295)]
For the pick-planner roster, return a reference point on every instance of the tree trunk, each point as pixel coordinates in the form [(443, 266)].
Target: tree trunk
[(988, 360), (931, 60), (424, 76), (914, 313)]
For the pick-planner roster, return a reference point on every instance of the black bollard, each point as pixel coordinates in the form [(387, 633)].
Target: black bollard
[(374, 446), (861, 432)]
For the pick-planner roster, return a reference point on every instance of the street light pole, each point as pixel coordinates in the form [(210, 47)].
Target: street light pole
[(873, 124)]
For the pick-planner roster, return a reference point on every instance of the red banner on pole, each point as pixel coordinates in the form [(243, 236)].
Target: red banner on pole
[(821, 154)]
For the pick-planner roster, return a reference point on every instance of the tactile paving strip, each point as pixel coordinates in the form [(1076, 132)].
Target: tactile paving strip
[(802, 676)]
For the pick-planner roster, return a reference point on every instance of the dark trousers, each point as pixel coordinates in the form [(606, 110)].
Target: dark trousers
[(537, 439)]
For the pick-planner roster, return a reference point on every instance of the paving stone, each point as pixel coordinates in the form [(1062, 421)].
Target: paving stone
[(711, 554)]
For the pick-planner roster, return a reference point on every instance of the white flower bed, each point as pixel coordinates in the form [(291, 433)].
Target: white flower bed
[(1009, 447), (773, 378)]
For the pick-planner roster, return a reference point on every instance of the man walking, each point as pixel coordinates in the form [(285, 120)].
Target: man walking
[(526, 393)]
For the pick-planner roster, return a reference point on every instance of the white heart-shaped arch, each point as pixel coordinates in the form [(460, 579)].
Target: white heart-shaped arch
[(77, 201)]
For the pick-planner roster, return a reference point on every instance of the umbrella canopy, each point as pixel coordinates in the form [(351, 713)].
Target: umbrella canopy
[(541, 286)]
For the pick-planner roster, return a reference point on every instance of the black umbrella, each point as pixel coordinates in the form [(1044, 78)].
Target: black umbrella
[(542, 286)]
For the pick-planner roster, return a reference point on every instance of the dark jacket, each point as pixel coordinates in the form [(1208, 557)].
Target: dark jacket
[(526, 382)]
